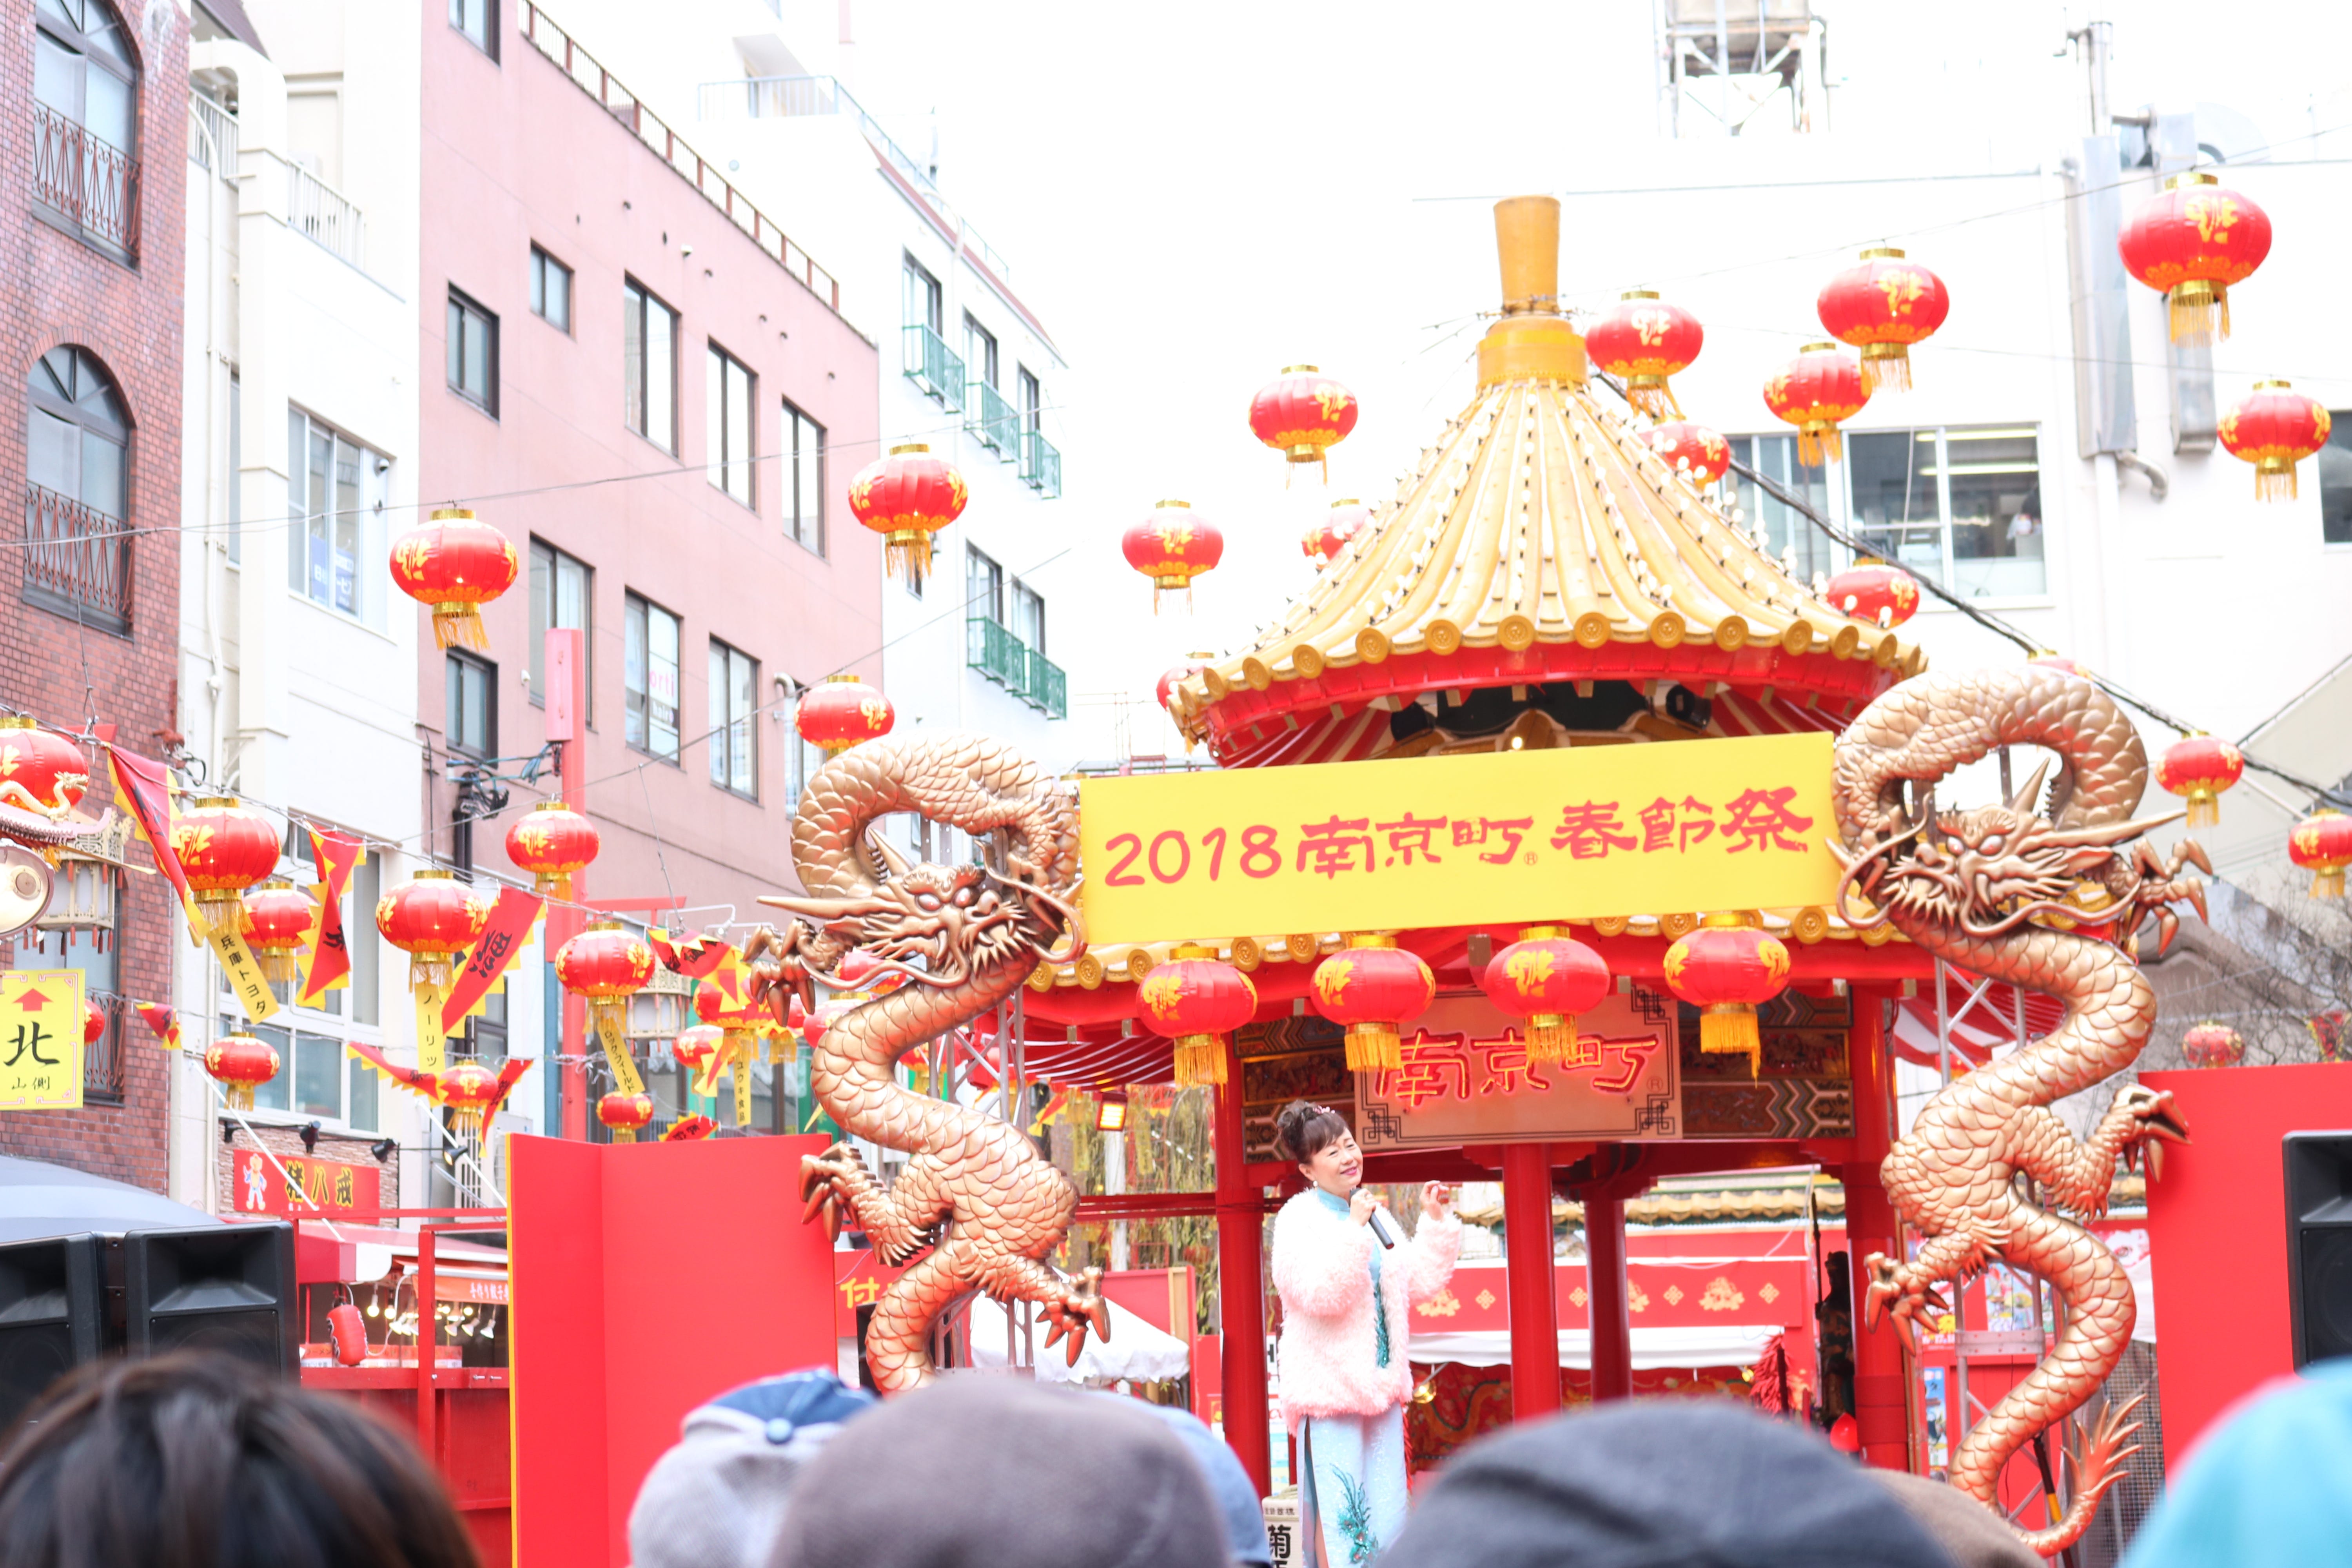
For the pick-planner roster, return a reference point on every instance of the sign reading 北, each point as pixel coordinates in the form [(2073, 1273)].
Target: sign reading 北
[(1567, 833)]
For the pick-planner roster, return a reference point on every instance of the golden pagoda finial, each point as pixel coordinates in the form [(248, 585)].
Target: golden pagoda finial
[(1533, 341)]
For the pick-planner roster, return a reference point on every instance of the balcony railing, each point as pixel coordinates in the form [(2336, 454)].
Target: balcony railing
[(103, 1062), (1048, 689), (932, 366), (92, 184), (212, 144), (77, 560), (1041, 464), (317, 210), (992, 649), (990, 417)]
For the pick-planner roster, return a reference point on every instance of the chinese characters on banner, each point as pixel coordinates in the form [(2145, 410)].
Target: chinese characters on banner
[(40, 1039), (307, 1186), (1516, 836), (1465, 1077)]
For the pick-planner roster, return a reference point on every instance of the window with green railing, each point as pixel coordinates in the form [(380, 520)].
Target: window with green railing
[(989, 416), (1048, 689), (1041, 464), (992, 649), (934, 367)]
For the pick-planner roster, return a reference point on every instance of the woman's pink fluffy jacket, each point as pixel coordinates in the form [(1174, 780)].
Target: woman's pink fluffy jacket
[(1322, 1267)]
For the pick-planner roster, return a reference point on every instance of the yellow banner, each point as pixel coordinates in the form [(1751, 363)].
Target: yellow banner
[(243, 971), (610, 1030), (743, 1085), (40, 1039), (1509, 836), (432, 1044)]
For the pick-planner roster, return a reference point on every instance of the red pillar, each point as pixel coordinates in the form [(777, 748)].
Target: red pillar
[(1528, 1280), (1882, 1372), (567, 722), (1241, 1287), (1612, 1328)]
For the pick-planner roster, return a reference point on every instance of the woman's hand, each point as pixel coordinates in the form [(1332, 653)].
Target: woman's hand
[(1436, 1200), (1361, 1205)]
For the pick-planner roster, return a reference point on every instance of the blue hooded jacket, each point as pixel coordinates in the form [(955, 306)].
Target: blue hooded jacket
[(2270, 1486)]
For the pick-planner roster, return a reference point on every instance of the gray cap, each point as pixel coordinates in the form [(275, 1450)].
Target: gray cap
[(717, 1500), (1974, 1535)]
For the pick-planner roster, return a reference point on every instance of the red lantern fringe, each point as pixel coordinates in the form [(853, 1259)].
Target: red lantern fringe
[(1553, 1041), (1729, 1029), (460, 626), (1201, 1060), (1374, 1047)]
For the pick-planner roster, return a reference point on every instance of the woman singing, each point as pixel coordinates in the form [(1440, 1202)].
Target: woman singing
[(1346, 1305)]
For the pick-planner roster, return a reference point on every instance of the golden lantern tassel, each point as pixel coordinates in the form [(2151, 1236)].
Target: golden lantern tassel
[(1648, 396), (465, 1121), (909, 551), (430, 971), (2275, 479), (238, 1096), (460, 626), (2204, 809), (1728, 1030), (1374, 1047), (1199, 1061), (623, 1134), (2198, 308), (2328, 884), (222, 909), (1886, 367), (1551, 1040)]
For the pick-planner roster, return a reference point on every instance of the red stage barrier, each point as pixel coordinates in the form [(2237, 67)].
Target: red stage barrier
[(646, 1279), (2217, 1233)]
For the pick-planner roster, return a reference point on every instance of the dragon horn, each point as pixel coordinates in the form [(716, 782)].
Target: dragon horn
[(2022, 802), (887, 854)]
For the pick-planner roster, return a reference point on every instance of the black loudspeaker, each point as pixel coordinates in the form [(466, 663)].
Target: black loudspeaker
[(52, 1317), (225, 1288), (2319, 1243)]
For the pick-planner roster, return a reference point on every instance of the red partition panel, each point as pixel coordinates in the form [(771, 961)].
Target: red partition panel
[(2217, 1232), (646, 1279)]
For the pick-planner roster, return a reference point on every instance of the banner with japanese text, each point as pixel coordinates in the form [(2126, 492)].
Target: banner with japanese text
[(40, 1039), (1567, 834), (300, 1184)]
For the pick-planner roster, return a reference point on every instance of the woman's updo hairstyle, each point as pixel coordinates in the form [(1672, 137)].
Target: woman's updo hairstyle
[(1303, 1130)]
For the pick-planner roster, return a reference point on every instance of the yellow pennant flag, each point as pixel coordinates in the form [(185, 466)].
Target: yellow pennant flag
[(243, 971), (610, 1030), (432, 1049), (743, 1083)]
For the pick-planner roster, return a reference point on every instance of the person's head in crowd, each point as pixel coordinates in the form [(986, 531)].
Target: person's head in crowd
[(987, 1472), (2269, 1485), (1654, 1483), (1971, 1535), (200, 1461), (717, 1498), (1229, 1485)]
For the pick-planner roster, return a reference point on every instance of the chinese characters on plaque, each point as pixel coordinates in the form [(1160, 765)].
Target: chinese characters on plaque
[(40, 1039)]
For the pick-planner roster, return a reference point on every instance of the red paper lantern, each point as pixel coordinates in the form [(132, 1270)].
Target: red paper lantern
[(1548, 978), (1692, 450), (432, 919), (240, 1064), (277, 925), (624, 1114), (472, 1092), (223, 848), (93, 1021), (2274, 427), (1816, 392), (550, 842), (1171, 547), (607, 964), (1303, 414), (1883, 307), (1323, 542), (39, 771), (2191, 244), (2212, 1045), (906, 497), (2322, 845), (1374, 987), (455, 565), (1194, 1000), (843, 712), (1882, 595), (1643, 340), (1724, 968), (2199, 768), (697, 1048)]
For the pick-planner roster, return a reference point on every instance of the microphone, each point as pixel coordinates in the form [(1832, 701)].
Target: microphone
[(1379, 1224)]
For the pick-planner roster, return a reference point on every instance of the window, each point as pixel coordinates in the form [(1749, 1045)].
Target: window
[(77, 439), (1033, 401), (924, 300), (337, 488), (85, 98), (473, 354), (649, 677), (804, 492), (1028, 620), (471, 723), (727, 421), (734, 706), (561, 600), (650, 366), (2335, 481), (1963, 506), (984, 586), (95, 890), (801, 760), (1790, 536), (979, 350), (479, 20), (551, 289)]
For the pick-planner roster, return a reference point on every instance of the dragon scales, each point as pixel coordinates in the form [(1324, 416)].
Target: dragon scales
[(973, 1200), (2044, 898)]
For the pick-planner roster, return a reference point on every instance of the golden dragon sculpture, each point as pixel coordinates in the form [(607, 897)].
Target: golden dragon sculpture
[(975, 1206), (2049, 899)]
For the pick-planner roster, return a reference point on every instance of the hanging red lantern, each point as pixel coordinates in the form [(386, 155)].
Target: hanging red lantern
[(432, 919), (2274, 427), (1872, 591), (240, 1064), (93, 1021), (1883, 307), (39, 771), (1691, 449), (1171, 547), (1303, 414), (1195, 1000), (1323, 542), (2211, 1044), (551, 841), (1643, 341), (607, 964), (457, 566), (739, 1027), (277, 925), (2191, 242), (1724, 968), (843, 712), (2199, 768), (698, 1048), (472, 1093), (2322, 845), (1547, 977), (1374, 987), (624, 1114), (223, 848), (1816, 392), (906, 497)]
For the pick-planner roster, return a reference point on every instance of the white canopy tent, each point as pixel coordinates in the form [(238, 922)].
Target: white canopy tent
[(1725, 1344), (1136, 1353)]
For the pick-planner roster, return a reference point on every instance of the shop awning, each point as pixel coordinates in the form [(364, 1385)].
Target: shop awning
[(1137, 1351), (1713, 1344)]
